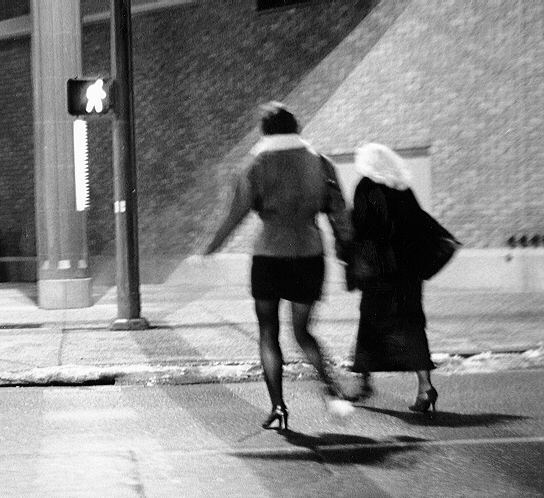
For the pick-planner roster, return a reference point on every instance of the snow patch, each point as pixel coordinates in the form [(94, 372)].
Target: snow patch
[(490, 362), (237, 372)]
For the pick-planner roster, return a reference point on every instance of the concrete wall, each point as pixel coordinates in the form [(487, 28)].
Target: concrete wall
[(515, 270), (496, 270)]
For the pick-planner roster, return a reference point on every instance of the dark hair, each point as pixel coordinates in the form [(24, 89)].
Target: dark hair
[(277, 119)]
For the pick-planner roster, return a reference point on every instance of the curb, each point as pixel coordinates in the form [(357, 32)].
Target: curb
[(75, 375), (229, 372)]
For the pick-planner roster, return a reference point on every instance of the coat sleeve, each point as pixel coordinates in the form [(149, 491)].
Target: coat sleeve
[(369, 218), (372, 212), (360, 212), (241, 201), (337, 212)]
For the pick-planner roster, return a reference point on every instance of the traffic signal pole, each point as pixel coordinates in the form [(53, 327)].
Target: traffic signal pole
[(124, 170)]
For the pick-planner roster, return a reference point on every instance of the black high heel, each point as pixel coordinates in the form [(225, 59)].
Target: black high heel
[(423, 404), (279, 414)]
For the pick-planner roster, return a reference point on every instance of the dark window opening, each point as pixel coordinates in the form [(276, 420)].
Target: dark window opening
[(14, 8), (275, 4)]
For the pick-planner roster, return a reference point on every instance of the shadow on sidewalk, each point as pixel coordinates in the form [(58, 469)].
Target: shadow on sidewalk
[(28, 289), (448, 419), (335, 448)]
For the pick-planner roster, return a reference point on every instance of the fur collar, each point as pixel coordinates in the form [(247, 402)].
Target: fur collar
[(271, 143), (383, 165)]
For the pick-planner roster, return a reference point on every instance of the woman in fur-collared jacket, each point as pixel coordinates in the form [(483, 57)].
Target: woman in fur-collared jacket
[(286, 185), (391, 335)]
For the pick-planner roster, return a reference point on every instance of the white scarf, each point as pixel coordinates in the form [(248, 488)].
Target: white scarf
[(270, 143), (383, 165)]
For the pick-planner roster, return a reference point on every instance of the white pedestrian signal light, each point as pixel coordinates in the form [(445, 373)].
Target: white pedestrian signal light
[(89, 96), (95, 95)]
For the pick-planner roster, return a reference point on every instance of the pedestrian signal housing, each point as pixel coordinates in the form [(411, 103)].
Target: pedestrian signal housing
[(89, 96)]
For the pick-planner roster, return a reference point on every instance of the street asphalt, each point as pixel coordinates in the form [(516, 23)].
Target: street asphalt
[(206, 440), (205, 330)]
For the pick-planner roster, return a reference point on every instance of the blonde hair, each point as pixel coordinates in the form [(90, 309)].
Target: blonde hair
[(383, 165)]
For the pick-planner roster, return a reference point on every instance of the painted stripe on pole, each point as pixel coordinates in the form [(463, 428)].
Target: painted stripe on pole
[(119, 206), (64, 264)]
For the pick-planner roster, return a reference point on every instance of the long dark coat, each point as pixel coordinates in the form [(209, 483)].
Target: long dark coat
[(391, 335)]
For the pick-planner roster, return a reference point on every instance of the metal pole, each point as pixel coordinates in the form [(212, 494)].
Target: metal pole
[(124, 170)]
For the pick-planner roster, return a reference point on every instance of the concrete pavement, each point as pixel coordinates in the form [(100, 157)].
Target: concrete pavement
[(203, 328)]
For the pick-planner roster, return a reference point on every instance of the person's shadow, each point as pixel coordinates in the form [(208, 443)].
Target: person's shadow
[(448, 419), (338, 449)]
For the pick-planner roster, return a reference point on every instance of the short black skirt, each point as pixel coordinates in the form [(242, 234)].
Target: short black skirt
[(298, 280)]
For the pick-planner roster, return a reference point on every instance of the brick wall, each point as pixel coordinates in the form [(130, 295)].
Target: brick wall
[(14, 8), (16, 150), (466, 78), (200, 72), (321, 84)]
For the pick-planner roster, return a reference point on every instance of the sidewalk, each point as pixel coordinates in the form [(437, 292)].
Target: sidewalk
[(203, 332)]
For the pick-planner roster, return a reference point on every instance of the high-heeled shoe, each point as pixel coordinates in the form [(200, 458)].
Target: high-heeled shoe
[(279, 414), (425, 401)]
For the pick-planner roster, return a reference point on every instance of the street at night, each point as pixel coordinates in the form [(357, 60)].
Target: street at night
[(271, 249), (206, 440)]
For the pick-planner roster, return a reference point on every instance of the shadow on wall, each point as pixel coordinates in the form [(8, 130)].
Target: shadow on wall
[(200, 74), (153, 270), (18, 253)]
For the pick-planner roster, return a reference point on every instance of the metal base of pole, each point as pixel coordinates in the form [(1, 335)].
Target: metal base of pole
[(129, 324)]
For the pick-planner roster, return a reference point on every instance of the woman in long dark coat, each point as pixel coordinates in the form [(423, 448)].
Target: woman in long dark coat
[(391, 335)]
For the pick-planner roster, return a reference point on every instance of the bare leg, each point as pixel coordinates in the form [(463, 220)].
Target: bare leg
[(269, 345), (333, 393), (424, 381), (301, 318)]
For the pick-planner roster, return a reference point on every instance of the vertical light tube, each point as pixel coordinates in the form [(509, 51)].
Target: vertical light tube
[(81, 164)]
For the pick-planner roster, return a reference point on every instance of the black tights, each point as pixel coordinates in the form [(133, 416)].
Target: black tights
[(271, 355)]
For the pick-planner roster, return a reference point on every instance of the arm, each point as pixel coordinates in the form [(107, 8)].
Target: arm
[(337, 212), (240, 205)]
